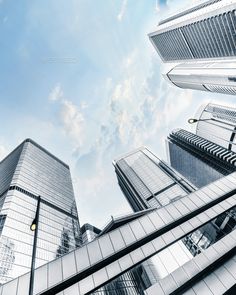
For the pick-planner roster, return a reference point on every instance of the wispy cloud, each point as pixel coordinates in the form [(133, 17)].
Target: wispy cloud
[(157, 6), (56, 93), (73, 121), (83, 105), (122, 10), (70, 115), (140, 105)]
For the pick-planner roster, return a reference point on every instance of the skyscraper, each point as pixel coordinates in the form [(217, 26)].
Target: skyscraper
[(218, 124), (205, 31), (197, 159), (204, 46), (147, 182), (26, 173), (204, 159)]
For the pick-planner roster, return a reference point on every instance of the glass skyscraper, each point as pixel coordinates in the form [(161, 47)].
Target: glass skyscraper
[(144, 177), (26, 173), (147, 182), (205, 46), (205, 31), (197, 159), (211, 152)]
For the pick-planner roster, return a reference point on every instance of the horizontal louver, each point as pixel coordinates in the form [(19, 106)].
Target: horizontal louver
[(206, 145), (221, 89)]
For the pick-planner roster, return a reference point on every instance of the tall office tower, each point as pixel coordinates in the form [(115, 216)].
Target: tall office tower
[(197, 159), (147, 182), (204, 39), (218, 124), (26, 173), (205, 31), (207, 76), (211, 271)]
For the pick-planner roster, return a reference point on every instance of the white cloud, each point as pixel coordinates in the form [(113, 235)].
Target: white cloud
[(177, 101), (122, 10), (131, 59), (70, 115), (157, 6), (73, 121), (141, 106), (56, 93), (83, 105), (122, 92)]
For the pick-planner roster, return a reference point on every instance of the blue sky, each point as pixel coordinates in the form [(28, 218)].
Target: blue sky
[(81, 78)]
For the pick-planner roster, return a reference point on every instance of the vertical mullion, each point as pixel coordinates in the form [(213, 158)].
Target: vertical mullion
[(221, 36), (214, 31), (225, 27)]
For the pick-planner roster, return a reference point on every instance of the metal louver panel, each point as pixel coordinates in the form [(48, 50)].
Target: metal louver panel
[(221, 89), (225, 113), (206, 145), (214, 37)]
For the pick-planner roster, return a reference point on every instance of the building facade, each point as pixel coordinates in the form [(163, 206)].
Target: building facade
[(218, 124), (207, 76), (148, 182), (205, 31), (198, 159), (205, 47), (26, 173), (198, 162)]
